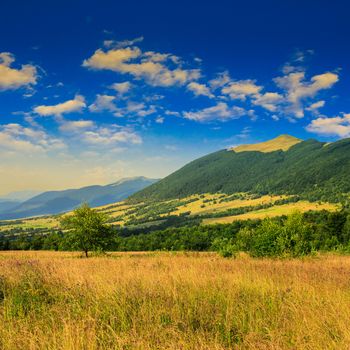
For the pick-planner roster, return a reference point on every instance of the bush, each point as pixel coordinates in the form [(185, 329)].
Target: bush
[(225, 247), (289, 238)]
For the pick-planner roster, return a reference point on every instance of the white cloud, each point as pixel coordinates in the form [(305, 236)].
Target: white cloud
[(151, 66), (12, 78), (220, 112), (70, 106), (103, 103), (297, 89), (268, 100), (173, 113), (240, 90), (111, 136), (221, 80), (338, 126), (199, 89), (131, 108), (76, 126), (314, 107), (23, 140), (147, 111), (123, 43), (121, 88), (160, 120)]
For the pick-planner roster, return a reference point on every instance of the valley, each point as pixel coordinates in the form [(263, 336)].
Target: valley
[(205, 209)]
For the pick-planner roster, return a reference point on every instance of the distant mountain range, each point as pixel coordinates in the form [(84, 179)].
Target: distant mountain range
[(54, 202), (285, 165)]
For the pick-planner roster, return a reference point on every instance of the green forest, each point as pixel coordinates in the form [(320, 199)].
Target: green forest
[(311, 169), (289, 236)]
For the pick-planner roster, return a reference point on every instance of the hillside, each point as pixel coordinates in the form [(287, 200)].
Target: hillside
[(312, 169), (54, 202)]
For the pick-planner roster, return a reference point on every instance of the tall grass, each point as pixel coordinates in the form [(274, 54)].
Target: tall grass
[(172, 301)]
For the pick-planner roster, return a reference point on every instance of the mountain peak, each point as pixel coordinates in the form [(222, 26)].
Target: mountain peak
[(282, 142)]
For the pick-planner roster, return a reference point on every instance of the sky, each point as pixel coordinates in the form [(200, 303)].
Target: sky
[(95, 91)]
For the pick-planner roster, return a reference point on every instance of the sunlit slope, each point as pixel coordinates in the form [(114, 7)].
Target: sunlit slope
[(307, 168), (274, 211), (282, 142)]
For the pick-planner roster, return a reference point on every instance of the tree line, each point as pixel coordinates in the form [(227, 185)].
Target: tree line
[(290, 236)]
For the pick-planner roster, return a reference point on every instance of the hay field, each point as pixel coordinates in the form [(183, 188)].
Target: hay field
[(174, 301), (278, 210)]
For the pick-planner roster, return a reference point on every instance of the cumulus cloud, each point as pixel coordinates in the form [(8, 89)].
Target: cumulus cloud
[(240, 90), (314, 107), (12, 78), (25, 140), (297, 89), (76, 126), (199, 89), (220, 80), (121, 88), (103, 103), (336, 126), (110, 136), (293, 97), (268, 100), (220, 112), (70, 106), (151, 66)]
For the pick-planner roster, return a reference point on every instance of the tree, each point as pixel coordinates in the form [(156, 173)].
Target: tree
[(87, 230)]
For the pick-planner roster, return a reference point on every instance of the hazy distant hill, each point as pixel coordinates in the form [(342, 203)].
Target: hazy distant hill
[(310, 168), (8, 204), (54, 202)]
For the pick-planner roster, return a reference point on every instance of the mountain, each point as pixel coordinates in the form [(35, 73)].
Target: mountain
[(286, 165), (54, 202), (8, 204)]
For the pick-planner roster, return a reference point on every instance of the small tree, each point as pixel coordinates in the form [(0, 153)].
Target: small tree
[(87, 230)]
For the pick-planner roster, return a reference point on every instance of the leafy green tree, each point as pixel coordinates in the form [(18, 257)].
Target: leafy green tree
[(292, 237), (87, 230), (225, 247), (296, 236)]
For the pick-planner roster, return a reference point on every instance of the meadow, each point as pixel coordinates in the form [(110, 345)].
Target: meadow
[(58, 300), (198, 207)]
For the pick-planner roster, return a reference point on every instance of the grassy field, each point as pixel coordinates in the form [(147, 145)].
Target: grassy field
[(283, 142), (120, 213), (196, 301), (278, 210), (213, 203)]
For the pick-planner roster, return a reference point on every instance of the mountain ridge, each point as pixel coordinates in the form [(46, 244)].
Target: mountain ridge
[(55, 202), (307, 169)]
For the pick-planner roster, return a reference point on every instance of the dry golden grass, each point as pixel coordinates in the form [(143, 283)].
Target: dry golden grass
[(282, 142), (172, 301), (210, 207), (278, 210), (39, 222)]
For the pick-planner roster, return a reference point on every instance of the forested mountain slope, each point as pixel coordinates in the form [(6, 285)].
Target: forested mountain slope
[(313, 169)]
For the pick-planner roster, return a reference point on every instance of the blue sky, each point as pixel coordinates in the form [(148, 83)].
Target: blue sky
[(94, 91)]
